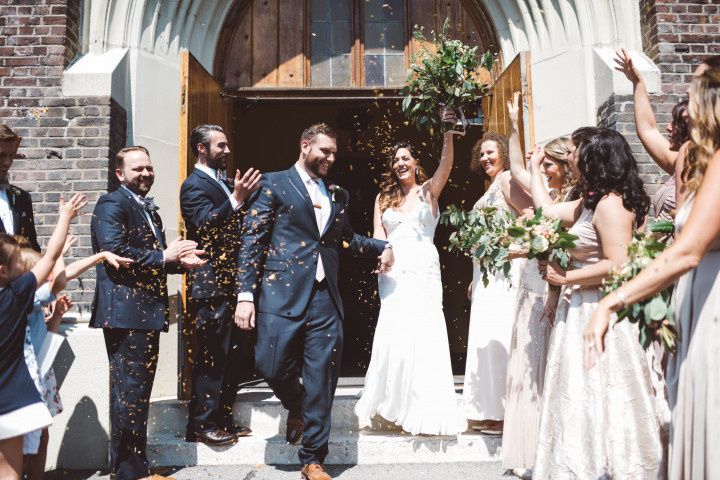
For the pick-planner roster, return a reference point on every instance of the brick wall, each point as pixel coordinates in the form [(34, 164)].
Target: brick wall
[(66, 141), (677, 36)]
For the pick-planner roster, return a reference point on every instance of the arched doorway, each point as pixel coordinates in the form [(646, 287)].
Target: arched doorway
[(280, 68)]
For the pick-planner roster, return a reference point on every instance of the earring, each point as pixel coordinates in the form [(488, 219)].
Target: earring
[(417, 171)]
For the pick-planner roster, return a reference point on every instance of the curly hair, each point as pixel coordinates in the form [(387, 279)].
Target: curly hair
[(680, 129), (391, 194), (502, 145), (607, 165), (704, 111)]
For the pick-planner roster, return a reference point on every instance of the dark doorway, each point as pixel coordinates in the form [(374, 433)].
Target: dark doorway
[(266, 134)]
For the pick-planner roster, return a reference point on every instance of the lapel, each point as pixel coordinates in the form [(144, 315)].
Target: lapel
[(214, 185), (157, 230), (297, 183), (333, 210), (12, 194)]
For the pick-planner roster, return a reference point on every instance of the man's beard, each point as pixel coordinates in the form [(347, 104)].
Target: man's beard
[(141, 189), (218, 161), (312, 163)]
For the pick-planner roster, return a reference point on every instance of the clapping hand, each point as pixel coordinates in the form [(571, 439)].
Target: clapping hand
[(536, 157), (192, 260), (178, 248), (246, 184), (625, 66)]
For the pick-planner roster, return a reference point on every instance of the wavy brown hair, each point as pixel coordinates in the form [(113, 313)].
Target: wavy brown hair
[(557, 151), (704, 111), (391, 194), (680, 129), (502, 145)]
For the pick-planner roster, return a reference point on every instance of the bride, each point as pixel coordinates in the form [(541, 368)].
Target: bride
[(409, 380)]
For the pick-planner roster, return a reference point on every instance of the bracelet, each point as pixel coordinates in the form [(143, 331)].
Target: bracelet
[(621, 297)]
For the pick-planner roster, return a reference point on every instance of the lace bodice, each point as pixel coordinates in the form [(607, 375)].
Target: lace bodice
[(493, 196)]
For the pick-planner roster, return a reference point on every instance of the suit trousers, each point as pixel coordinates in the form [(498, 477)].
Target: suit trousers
[(222, 360), (309, 345), (133, 356)]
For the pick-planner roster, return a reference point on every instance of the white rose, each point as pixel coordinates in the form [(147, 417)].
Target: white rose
[(540, 244)]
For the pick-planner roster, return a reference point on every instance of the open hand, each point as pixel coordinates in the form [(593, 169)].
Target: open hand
[(69, 242), (73, 207), (514, 108), (192, 260), (245, 315), (624, 65), (246, 184), (178, 248), (116, 260)]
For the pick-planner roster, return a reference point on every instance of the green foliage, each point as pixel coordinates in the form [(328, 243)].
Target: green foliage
[(653, 315), (446, 77), (542, 237)]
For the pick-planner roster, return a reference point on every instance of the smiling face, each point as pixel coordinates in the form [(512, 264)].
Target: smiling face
[(555, 171), (136, 172), (216, 151), (404, 166), (8, 148), (490, 158), (318, 155)]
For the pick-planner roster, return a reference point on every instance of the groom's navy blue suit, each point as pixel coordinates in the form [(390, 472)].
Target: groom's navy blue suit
[(299, 320)]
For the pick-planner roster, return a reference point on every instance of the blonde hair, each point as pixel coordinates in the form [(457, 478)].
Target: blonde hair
[(557, 151), (29, 258), (704, 111)]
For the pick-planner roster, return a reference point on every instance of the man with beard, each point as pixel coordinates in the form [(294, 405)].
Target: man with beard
[(211, 209), (16, 212), (288, 264), (131, 304)]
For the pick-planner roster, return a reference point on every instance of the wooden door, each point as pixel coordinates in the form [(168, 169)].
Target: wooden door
[(201, 101), (515, 78)]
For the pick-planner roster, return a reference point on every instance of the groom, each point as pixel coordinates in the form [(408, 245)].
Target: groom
[(288, 265)]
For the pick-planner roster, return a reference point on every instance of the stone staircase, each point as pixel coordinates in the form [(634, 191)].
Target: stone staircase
[(259, 409)]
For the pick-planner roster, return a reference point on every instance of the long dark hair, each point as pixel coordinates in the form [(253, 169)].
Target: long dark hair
[(680, 129), (607, 165), (391, 194)]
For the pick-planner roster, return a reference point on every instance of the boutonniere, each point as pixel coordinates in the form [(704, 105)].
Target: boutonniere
[(334, 190)]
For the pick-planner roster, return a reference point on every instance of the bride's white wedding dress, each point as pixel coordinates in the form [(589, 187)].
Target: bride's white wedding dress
[(409, 380)]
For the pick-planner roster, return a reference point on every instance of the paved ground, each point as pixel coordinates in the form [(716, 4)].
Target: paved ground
[(450, 471)]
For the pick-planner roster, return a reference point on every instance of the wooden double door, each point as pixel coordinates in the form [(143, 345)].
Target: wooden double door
[(264, 133)]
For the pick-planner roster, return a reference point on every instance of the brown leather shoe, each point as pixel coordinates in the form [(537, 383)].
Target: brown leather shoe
[(238, 430), (294, 429), (159, 477), (213, 438), (314, 471)]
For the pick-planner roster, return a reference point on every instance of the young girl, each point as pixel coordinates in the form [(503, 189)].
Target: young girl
[(21, 408), (35, 442)]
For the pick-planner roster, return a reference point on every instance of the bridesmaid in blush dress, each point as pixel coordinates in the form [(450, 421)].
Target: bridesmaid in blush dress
[(600, 423)]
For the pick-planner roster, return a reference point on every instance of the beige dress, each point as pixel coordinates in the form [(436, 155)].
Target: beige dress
[(694, 370), (526, 370), (492, 313), (598, 423)]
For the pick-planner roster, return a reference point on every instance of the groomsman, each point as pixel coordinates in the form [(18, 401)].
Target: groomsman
[(16, 212), (131, 304), (211, 209)]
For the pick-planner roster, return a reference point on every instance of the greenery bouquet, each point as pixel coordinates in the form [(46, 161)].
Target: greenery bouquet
[(653, 315), (445, 78), (482, 234), (542, 237)]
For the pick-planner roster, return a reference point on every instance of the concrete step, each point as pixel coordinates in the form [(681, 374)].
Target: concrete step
[(346, 448), (259, 409)]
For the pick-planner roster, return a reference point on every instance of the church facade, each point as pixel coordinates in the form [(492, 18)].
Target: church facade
[(80, 79)]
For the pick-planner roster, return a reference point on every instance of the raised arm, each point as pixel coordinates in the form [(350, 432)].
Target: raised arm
[(517, 162), (54, 249), (568, 212), (378, 228), (645, 123), (440, 178), (697, 236)]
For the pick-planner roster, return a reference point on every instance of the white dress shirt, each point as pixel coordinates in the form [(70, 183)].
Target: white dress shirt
[(321, 205), (215, 174), (6, 212)]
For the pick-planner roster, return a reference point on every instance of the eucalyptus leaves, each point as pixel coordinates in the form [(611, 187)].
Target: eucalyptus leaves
[(654, 315), (447, 77)]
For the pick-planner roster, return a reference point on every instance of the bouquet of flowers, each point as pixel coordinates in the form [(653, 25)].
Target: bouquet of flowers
[(448, 77), (481, 233), (654, 315), (542, 237)]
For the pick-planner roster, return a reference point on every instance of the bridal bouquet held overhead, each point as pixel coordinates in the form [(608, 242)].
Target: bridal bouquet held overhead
[(451, 76)]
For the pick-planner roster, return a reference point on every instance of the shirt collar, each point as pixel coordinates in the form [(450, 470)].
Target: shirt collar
[(138, 198), (306, 178), (205, 169)]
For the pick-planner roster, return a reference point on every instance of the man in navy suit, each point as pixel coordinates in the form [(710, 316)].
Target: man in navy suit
[(288, 266), (16, 211), (212, 210), (131, 304)]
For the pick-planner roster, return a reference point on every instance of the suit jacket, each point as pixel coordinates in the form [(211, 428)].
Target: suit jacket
[(281, 243), (212, 222), (135, 297), (22, 211)]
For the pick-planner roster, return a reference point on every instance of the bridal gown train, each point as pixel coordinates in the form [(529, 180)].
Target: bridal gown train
[(409, 380)]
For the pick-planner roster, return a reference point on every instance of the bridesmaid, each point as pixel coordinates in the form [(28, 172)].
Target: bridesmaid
[(535, 310), (492, 308), (694, 258), (602, 423)]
